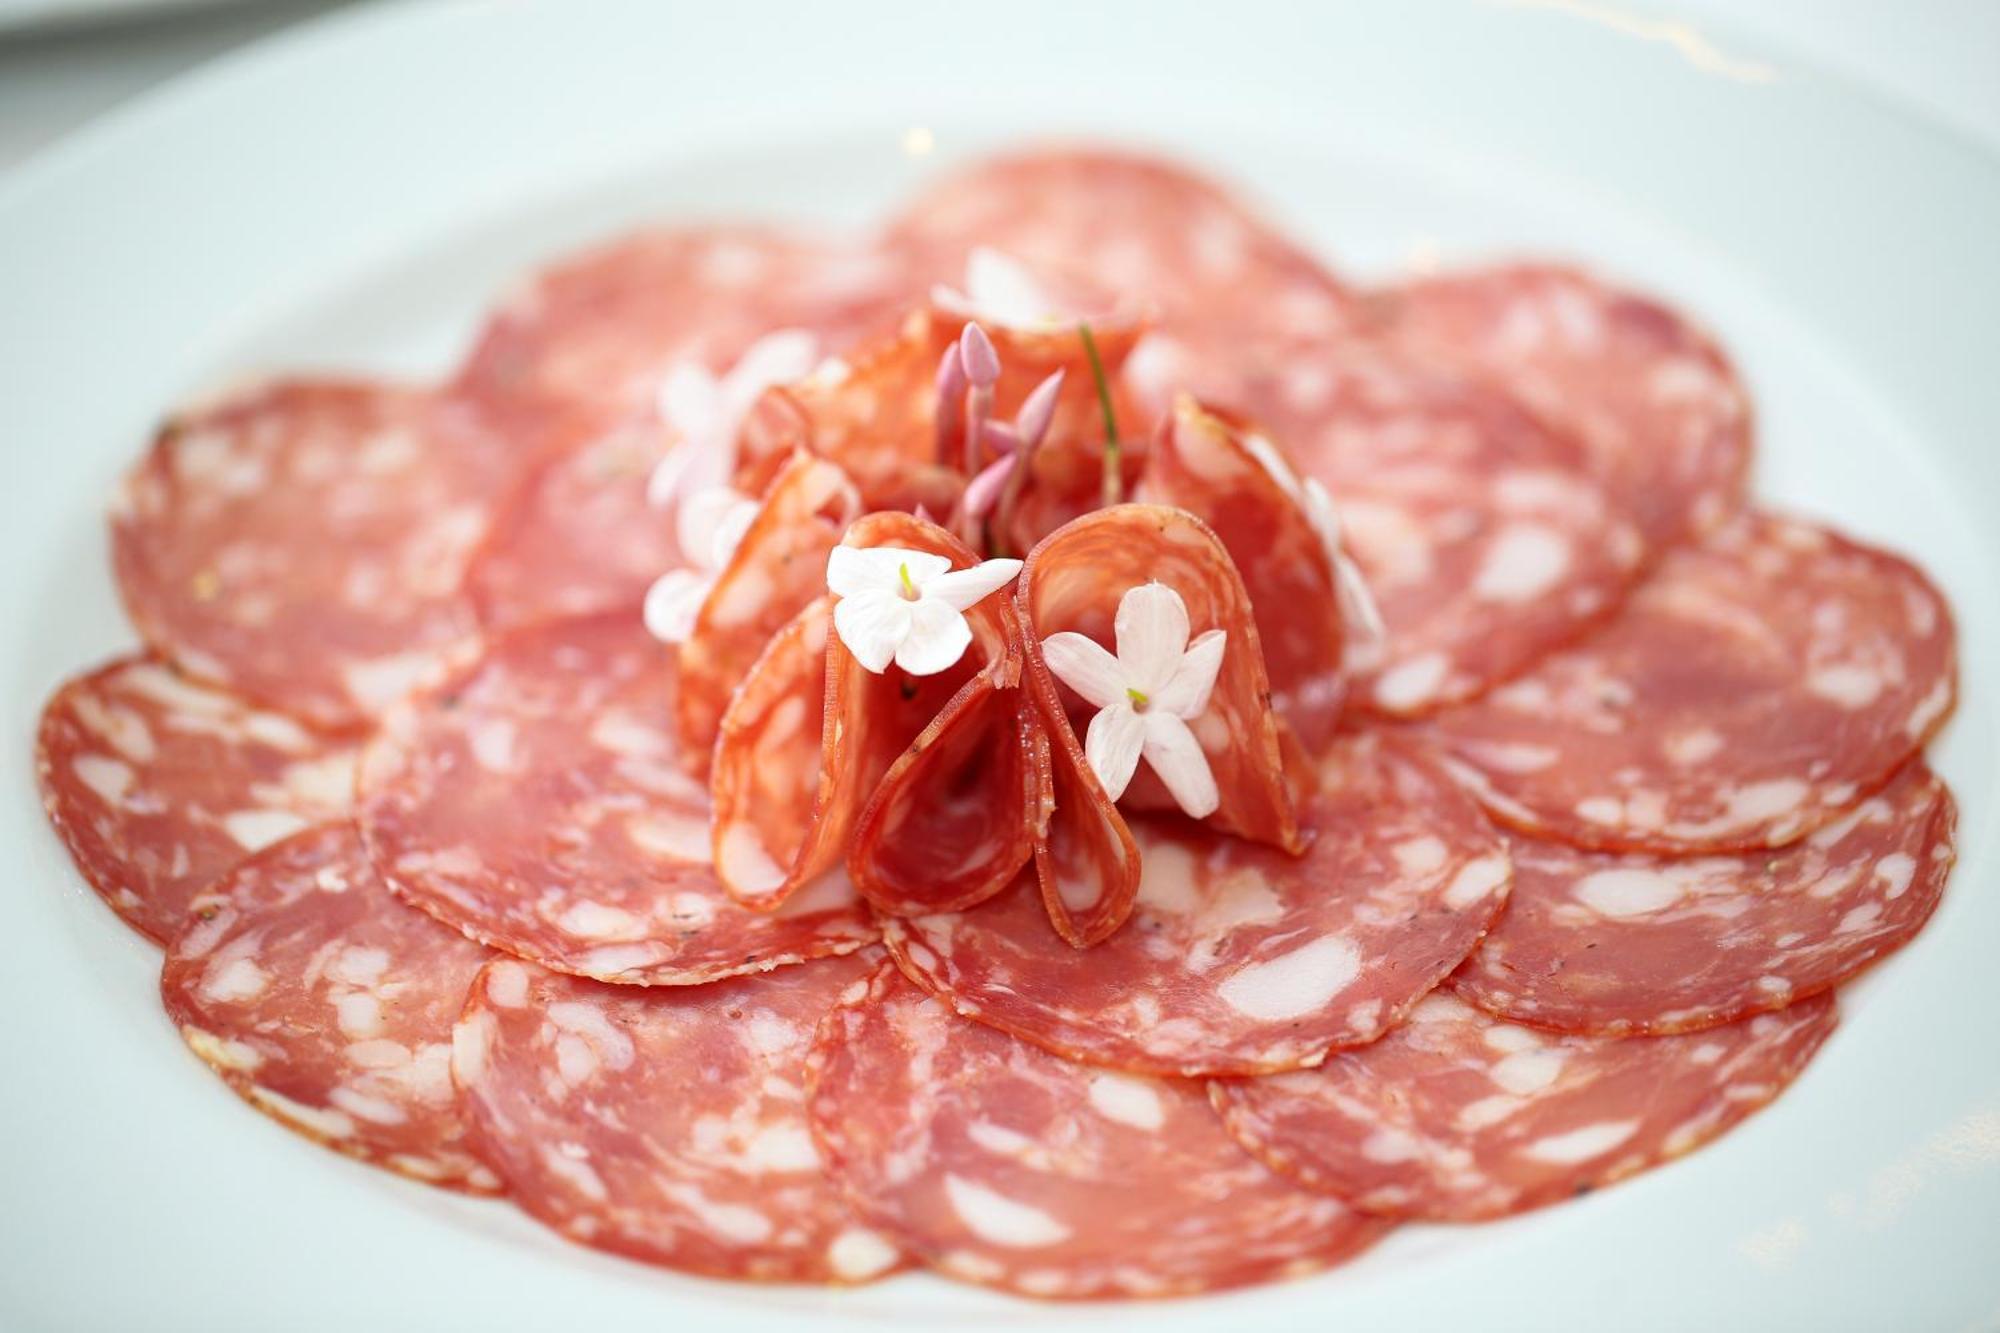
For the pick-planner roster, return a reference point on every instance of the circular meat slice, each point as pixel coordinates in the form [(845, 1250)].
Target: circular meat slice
[(999, 1164), (157, 785), (305, 541), (1747, 694), (603, 329), (539, 806), (1457, 1116), (1240, 959), (1613, 945), (665, 1125), (328, 1005), (1482, 535), (1652, 397)]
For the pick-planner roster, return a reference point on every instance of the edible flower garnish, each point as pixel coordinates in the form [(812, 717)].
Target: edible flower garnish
[(908, 606), (1146, 695), (1361, 620), (708, 526), (1000, 290), (994, 455), (1114, 477), (706, 410)]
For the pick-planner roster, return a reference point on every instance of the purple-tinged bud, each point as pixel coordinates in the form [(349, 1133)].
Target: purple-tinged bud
[(986, 488), (950, 378), (981, 362), (1000, 437), (1031, 423)]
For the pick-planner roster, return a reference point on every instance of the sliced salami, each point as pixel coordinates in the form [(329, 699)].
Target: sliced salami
[(1652, 397), (157, 785), (328, 1005), (999, 1164), (538, 805), (1747, 694), (665, 1125), (1240, 959), (1457, 1116), (1612, 945), (304, 542)]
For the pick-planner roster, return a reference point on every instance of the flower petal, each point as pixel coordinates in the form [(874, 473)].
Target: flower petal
[(851, 570), (961, 589), (1112, 746), (873, 624), (938, 637), (1039, 409), (1082, 664), (1004, 290), (984, 490), (1360, 619), (673, 602), (1176, 756), (690, 399), (1152, 626), (779, 357), (1322, 516), (1186, 692), (705, 516), (976, 354)]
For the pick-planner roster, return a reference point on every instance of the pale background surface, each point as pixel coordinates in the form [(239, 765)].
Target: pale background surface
[(1935, 55)]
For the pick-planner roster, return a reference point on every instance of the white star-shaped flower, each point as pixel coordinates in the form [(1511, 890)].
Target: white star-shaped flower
[(709, 526), (1000, 290), (706, 410), (908, 607), (1146, 695)]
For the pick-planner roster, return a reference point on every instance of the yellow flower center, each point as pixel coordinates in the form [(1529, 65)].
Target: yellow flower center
[(1138, 698), (910, 593)]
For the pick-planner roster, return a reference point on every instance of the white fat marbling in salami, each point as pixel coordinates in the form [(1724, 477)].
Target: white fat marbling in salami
[(1749, 692), (305, 542), (157, 784), (997, 1163), (1241, 959), (328, 1005), (1457, 1116), (666, 1125), (539, 806), (1650, 395), (1595, 942)]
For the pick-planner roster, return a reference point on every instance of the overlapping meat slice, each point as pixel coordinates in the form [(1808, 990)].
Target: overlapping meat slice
[(997, 1163), (1749, 692), (539, 805), (667, 1125), (1457, 1116), (1239, 958), (1653, 399), (328, 1005), (157, 785), (305, 542), (1598, 943)]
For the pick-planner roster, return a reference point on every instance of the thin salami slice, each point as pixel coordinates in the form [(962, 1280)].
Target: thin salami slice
[(777, 570), (1748, 693), (157, 785), (999, 1164), (304, 542), (1240, 959), (1223, 472), (1613, 945), (1652, 397), (665, 1125), (1457, 1116), (604, 328), (328, 1005), (1483, 535), (538, 805)]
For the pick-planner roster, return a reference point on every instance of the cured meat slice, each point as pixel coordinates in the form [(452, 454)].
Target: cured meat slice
[(157, 785), (328, 1005), (1240, 959), (996, 1163), (778, 569), (811, 735), (1749, 692), (604, 328), (1232, 478), (1613, 945), (1074, 581), (1457, 1116), (304, 542), (538, 805), (1484, 538), (665, 1125), (1220, 279), (1652, 397)]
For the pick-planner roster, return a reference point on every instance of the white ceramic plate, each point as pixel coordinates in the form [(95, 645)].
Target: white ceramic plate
[(352, 196)]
